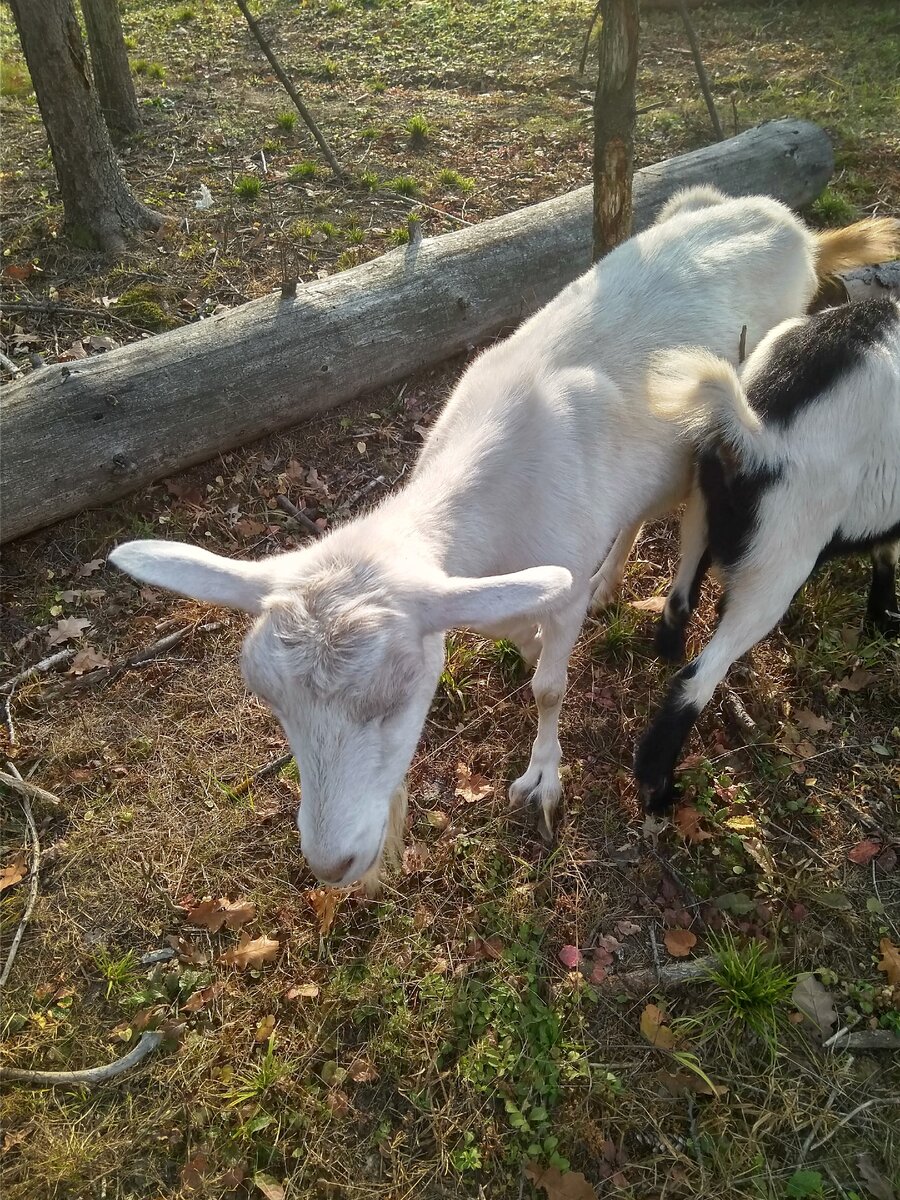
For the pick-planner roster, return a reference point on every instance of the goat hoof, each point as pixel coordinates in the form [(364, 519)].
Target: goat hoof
[(669, 642), (886, 624), (657, 797)]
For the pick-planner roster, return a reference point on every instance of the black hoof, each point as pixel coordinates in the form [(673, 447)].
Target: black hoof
[(884, 623), (669, 641), (658, 797)]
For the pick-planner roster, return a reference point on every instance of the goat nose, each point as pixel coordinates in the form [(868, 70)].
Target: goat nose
[(336, 872)]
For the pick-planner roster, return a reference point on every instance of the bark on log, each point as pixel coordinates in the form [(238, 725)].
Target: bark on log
[(87, 432)]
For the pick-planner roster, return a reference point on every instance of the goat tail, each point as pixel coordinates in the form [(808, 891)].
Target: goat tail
[(703, 395), (873, 241)]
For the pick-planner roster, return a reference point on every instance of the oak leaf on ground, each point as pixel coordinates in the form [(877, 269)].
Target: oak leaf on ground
[(251, 952), (679, 942), (654, 1030), (863, 852), (560, 1185), (687, 819), (15, 871), (890, 961)]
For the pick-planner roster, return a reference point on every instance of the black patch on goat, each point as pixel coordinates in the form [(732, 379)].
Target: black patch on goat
[(841, 546), (660, 746), (811, 357), (671, 629), (732, 505)]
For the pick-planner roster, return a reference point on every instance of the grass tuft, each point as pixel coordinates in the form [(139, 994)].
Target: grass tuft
[(248, 187), (286, 120), (404, 184)]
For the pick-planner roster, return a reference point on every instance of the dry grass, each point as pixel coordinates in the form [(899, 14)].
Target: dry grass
[(446, 1044)]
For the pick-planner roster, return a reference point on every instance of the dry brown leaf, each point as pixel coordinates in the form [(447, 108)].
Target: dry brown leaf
[(816, 1003), (859, 679), (877, 1184), (653, 1029), (471, 786), (560, 1185), (302, 991), (361, 1070), (238, 912), (201, 998), (19, 273), (863, 852), (265, 1029), (684, 1083), (809, 720), (67, 629), (325, 902), (194, 1172), (251, 952), (208, 914), (15, 872), (679, 942), (654, 604), (686, 820), (188, 951), (270, 1188), (890, 961), (90, 568), (86, 660), (415, 858), (627, 928)]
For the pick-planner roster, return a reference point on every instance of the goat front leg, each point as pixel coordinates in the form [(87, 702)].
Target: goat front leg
[(883, 610), (605, 584), (684, 595), (754, 603), (541, 784)]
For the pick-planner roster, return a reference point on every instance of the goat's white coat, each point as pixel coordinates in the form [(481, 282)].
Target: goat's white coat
[(546, 450)]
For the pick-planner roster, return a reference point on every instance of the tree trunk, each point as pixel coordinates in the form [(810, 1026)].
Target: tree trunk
[(100, 210), (83, 433), (112, 72), (614, 124)]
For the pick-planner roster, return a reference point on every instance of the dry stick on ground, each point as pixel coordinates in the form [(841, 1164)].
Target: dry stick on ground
[(46, 664), (35, 868), (27, 789), (9, 366), (291, 90), (262, 772), (669, 975), (163, 646), (734, 706), (299, 516), (614, 125), (701, 70), (90, 1076)]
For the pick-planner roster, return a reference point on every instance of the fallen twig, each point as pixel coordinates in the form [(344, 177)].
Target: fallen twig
[(9, 366), (299, 515), (139, 657), (701, 70), (668, 975), (863, 1039), (8, 717), (46, 664), (25, 788), (291, 90), (860, 1108), (33, 875), (268, 768), (733, 704), (378, 481), (89, 1076)]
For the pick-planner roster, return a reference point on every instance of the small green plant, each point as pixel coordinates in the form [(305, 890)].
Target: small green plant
[(377, 86), (286, 120), (460, 668), (833, 209), (751, 992), (370, 181), (272, 146), (140, 66), (300, 229), (507, 657), (183, 15), (329, 228), (329, 70), (369, 132), (336, 8), (14, 80), (455, 182), (142, 306), (306, 169), (119, 973), (156, 70), (466, 1157), (418, 129), (253, 1083), (804, 1185), (248, 187), (404, 184), (356, 235)]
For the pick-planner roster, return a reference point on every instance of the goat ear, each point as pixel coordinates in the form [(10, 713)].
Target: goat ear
[(197, 573), (493, 599)]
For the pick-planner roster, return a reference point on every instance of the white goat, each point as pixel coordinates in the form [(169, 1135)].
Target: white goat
[(799, 462), (545, 451)]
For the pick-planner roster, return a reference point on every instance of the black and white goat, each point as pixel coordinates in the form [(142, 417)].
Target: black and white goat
[(799, 461)]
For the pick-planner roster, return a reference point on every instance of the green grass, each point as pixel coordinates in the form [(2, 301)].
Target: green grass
[(454, 181), (831, 208), (419, 131), (404, 184), (286, 120), (120, 974), (306, 169), (248, 187)]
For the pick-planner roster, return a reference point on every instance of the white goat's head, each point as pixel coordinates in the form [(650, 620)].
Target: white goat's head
[(347, 650)]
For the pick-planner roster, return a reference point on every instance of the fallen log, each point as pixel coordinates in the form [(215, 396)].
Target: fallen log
[(84, 433)]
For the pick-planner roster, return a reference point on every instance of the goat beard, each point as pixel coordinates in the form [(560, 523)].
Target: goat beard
[(392, 850)]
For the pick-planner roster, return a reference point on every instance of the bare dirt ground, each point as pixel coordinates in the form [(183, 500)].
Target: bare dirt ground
[(476, 1019)]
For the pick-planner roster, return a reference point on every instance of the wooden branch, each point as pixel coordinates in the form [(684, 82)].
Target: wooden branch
[(299, 516), (25, 788), (9, 366), (138, 658), (88, 1077), (291, 90), (614, 125), (587, 36), (863, 1039), (701, 70), (670, 975), (155, 407), (33, 875), (46, 664)]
